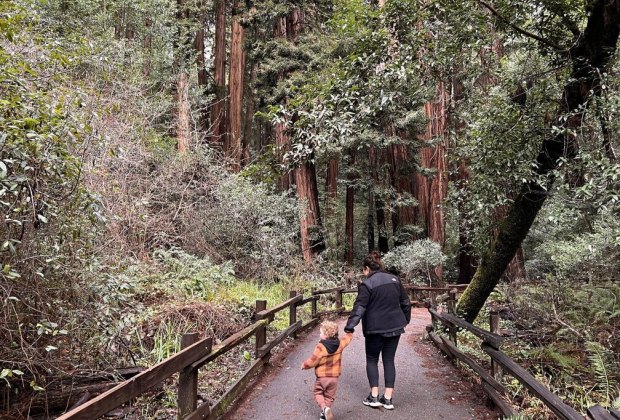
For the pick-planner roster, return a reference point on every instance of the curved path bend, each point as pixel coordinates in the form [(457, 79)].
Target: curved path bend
[(428, 387)]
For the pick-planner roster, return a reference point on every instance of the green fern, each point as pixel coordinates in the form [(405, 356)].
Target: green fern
[(604, 366)]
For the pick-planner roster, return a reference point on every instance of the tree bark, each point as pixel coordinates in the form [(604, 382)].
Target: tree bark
[(237, 70), (147, 44), (331, 187), (183, 112), (218, 107), (349, 212), (379, 204), (310, 221), (590, 56)]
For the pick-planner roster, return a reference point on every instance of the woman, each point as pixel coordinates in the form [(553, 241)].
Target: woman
[(383, 307)]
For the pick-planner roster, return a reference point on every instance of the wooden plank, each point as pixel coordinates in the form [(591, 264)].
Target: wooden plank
[(308, 300), (326, 291), (562, 410), (292, 313), (230, 343), (330, 311), (352, 290), (499, 402), (140, 383), (488, 337), (598, 412), (237, 389), (484, 375), (438, 342), (260, 352), (268, 313)]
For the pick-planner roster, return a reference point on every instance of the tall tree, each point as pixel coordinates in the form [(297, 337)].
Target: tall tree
[(218, 107), (589, 57), (234, 147)]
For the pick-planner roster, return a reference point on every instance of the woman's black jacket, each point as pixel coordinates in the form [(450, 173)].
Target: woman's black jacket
[(382, 305)]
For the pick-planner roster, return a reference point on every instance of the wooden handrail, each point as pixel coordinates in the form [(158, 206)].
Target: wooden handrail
[(326, 291), (488, 337), (135, 386), (284, 305), (231, 342), (490, 345), (561, 409), (190, 359)]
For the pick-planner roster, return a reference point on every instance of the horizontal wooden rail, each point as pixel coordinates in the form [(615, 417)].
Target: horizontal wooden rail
[(308, 300), (140, 383), (599, 413), (484, 375), (231, 342), (280, 338), (268, 313), (486, 336), (327, 291), (193, 356), (559, 408), (459, 287)]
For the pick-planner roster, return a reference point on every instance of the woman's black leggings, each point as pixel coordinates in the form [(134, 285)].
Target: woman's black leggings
[(386, 346)]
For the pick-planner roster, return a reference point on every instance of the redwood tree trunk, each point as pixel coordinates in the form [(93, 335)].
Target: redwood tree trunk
[(310, 226), (237, 70), (218, 107), (349, 213), (590, 56)]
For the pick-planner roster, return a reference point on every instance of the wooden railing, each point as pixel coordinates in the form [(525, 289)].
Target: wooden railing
[(195, 353), (500, 362)]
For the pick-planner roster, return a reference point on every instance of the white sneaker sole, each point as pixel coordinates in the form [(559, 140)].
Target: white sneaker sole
[(329, 415), (374, 405)]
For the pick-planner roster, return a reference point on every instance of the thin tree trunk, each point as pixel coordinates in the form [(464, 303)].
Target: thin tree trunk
[(147, 44), (282, 139), (331, 187), (248, 130), (590, 57), (379, 204), (237, 70), (218, 107), (183, 112), (349, 212), (370, 221)]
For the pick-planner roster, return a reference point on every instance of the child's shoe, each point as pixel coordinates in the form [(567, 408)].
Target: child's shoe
[(371, 401), (386, 402), (322, 416), (328, 413)]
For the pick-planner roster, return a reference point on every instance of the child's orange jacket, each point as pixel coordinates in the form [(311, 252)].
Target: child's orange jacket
[(327, 357)]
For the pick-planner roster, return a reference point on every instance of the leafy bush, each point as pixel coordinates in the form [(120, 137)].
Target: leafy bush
[(417, 260)]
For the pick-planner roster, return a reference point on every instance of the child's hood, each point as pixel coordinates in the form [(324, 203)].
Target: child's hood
[(331, 344)]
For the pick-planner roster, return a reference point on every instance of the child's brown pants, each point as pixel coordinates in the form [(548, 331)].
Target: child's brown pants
[(325, 391)]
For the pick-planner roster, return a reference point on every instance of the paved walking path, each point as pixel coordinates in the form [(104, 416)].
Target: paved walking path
[(427, 386)]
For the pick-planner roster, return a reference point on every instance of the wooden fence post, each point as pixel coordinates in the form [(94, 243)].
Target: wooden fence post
[(314, 304), (451, 309), (496, 370), (187, 392), (261, 333), (292, 314), (339, 299)]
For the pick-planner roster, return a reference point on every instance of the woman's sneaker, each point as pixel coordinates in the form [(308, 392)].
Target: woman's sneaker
[(386, 403), (371, 401)]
